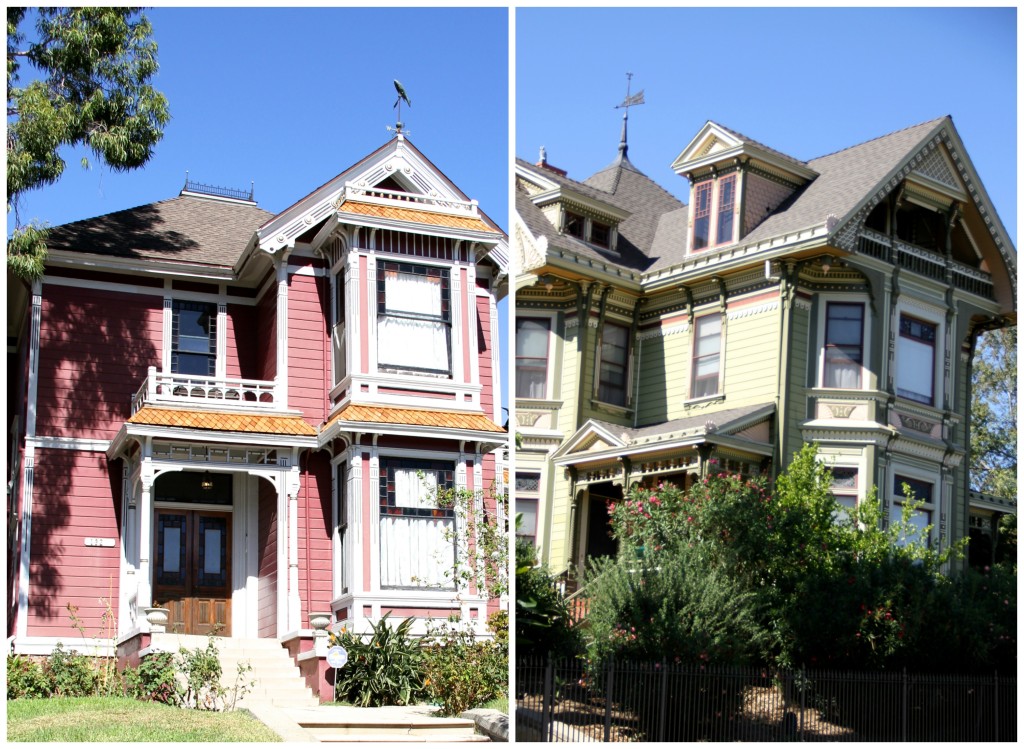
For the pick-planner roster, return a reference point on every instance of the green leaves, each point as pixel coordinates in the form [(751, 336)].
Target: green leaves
[(385, 670), (93, 89), (994, 414)]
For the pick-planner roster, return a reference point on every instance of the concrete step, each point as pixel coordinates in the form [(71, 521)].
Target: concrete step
[(398, 738)]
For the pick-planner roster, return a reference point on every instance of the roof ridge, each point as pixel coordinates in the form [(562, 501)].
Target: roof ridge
[(881, 137)]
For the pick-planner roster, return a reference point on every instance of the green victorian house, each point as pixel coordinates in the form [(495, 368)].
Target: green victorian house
[(836, 300)]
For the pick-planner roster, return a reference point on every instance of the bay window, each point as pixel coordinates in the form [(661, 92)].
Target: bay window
[(707, 351), (844, 489), (844, 345), (417, 536), (532, 336), (915, 360), (613, 364), (413, 318)]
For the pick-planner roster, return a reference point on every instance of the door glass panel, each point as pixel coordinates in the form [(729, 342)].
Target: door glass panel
[(212, 570), (170, 568)]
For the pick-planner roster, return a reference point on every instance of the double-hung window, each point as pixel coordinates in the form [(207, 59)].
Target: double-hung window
[(714, 212), (527, 501), (844, 345), (194, 338), (613, 364), (707, 356), (844, 488), (915, 360), (338, 331), (417, 536), (532, 336), (413, 318), (923, 492)]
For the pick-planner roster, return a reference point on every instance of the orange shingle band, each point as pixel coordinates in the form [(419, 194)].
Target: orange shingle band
[(415, 216), (416, 417), (224, 422)]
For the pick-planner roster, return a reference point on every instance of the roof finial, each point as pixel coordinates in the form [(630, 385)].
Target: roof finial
[(629, 101), (402, 96)]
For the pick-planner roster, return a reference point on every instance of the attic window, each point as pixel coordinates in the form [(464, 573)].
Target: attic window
[(573, 225), (600, 233), (714, 209)]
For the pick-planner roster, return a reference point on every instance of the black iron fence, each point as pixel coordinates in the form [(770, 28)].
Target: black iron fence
[(567, 701)]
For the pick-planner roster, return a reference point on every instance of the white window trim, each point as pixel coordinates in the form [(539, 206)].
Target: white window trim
[(720, 393), (599, 351), (933, 316), (866, 373), (549, 384), (896, 498)]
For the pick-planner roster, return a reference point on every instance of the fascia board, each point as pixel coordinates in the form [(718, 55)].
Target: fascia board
[(205, 435), (410, 430), (562, 192), (589, 268), (730, 258), (536, 177), (144, 266)]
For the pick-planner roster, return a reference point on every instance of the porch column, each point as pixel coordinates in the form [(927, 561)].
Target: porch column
[(281, 376), (294, 603), (282, 554), (146, 479)]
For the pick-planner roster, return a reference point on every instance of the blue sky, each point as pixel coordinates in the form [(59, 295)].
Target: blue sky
[(289, 98), (805, 81)]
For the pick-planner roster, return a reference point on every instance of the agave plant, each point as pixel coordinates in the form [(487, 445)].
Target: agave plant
[(384, 670)]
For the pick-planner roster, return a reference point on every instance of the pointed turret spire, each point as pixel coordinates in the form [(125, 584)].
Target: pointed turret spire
[(629, 101)]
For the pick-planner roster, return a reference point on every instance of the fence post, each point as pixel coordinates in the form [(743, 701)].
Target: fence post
[(803, 698), (996, 702), (608, 700), (547, 700), (664, 697), (903, 712)]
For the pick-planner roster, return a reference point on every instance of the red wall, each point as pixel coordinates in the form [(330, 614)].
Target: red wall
[(315, 570), (75, 497), (242, 357), (266, 545), (95, 348), (266, 323), (308, 344), (483, 336)]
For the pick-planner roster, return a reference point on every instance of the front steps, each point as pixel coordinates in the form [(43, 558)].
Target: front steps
[(334, 723), (281, 699)]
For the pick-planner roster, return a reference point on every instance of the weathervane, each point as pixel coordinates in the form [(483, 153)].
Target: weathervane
[(630, 101), (402, 96)]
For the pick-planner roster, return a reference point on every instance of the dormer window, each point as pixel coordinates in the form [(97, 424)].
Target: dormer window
[(600, 234), (574, 224), (714, 212)]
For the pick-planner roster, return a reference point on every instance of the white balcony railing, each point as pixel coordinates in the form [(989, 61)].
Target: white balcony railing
[(169, 389), (406, 199)]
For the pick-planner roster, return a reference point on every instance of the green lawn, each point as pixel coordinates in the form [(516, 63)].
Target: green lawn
[(498, 703), (122, 719)]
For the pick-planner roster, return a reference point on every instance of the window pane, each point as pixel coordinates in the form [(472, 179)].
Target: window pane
[(531, 357), (528, 509), (416, 344), (726, 209), (915, 368), (707, 346), (413, 293), (612, 368), (527, 482), (701, 215)]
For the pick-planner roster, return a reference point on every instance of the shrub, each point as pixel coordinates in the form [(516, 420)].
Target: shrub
[(155, 680), (70, 674), (25, 678), (462, 673), (202, 671), (542, 616), (386, 670)]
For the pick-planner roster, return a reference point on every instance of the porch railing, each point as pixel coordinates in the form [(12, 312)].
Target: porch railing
[(634, 701), (166, 388), (919, 260)]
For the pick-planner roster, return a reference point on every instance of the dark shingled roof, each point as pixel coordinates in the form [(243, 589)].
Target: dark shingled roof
[(623, 185), (185, 229), (655, 235), (724, 421)]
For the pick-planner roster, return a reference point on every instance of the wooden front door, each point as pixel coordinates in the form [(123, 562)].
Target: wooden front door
[(192, 570)]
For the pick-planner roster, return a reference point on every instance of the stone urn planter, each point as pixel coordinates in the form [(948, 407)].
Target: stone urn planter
[(319, 621), (157, 618)]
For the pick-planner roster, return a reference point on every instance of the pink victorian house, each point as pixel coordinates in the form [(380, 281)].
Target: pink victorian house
[(240, 417)]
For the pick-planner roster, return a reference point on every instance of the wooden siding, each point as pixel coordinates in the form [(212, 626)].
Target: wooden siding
[(309, 365), (751, 359), (662, 372), (95, 348), (266, 548), (266, 323), (483, 339), (797, 393), (75, 497), (315, 535), (245, 339)]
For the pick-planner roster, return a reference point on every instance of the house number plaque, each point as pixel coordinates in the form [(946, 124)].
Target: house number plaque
[(99, 542)]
